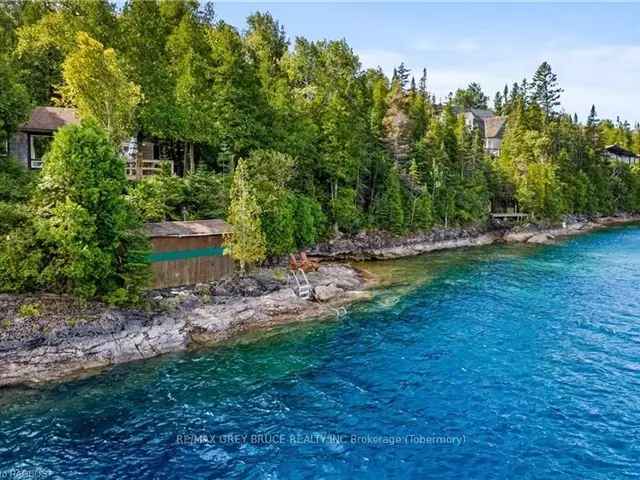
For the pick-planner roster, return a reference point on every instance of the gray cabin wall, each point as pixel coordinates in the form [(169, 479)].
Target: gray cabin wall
[(19, 148)]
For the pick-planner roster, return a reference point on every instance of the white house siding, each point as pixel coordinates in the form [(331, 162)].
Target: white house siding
[(622, 158)]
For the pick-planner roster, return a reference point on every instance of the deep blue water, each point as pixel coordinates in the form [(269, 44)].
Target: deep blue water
[(505, 362)]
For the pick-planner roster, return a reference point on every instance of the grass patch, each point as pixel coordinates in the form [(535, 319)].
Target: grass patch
[(29, 310)]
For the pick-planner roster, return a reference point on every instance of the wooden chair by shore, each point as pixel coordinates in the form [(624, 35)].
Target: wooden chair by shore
[(304, 264)]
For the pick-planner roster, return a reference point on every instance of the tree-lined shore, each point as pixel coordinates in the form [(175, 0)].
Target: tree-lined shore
[(296, 143)]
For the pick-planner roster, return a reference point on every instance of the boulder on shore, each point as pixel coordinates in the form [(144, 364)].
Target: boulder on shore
[(542, 239), (324, 293)]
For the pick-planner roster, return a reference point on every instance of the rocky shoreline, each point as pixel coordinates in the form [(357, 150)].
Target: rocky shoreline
[(47, 346), (383, 246), (46, 337)]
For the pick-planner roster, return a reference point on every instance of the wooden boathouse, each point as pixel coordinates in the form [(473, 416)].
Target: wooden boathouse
[(186, 253)]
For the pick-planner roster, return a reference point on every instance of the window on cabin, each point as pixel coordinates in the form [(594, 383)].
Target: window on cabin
[(38, 147)]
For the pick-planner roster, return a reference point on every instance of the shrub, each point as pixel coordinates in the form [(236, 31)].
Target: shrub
[(12, 215), (278, 224), (206, 194), (29, 310), (310, 221), (83, 237), (159, 197), (16, 182)]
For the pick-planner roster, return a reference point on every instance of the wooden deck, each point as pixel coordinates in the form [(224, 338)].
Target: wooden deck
[(512, 215)]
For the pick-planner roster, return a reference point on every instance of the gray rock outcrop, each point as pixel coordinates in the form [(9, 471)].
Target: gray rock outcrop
[(118, 336), (541, 239), (324, 293)]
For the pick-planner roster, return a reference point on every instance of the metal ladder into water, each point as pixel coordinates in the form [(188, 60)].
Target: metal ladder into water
[(302, 287)]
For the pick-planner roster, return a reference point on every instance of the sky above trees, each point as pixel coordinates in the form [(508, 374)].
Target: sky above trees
[(594, 48)]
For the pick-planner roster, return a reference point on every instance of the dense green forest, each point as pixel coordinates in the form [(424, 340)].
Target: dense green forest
[(297, 142)]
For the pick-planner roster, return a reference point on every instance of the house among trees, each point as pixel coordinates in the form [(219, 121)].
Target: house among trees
[(32, 140), (144, 155), (490, 126), (618, 154)]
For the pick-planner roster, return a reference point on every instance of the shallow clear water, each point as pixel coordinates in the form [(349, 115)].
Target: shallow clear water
[(501, 362)]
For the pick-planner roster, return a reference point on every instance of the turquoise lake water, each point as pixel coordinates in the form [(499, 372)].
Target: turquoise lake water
[(499, 362)]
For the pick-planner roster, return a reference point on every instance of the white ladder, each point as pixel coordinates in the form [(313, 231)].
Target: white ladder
[(302, 287)]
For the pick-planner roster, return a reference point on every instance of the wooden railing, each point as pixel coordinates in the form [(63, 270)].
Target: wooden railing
[(145, 168)]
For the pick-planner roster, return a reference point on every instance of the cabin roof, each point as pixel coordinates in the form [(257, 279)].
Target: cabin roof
[(197, 228), (494, 126), (482, 113), (618, 150), (49, 119)]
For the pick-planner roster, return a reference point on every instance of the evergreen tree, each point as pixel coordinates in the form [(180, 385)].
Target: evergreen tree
[(422, 212), (471, 97), (545, 89), (246, 243), (402, 74), (515, 94), (270, 173), (497, 103), (422, 86), (390, 211)]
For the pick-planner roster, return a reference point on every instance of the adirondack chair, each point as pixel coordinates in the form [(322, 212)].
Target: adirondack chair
[(307, 264), (303, 264), (293, 263)]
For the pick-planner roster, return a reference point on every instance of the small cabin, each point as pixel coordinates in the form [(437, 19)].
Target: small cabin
[(144, 155), (618, 154), (33, 138), (187, 253)]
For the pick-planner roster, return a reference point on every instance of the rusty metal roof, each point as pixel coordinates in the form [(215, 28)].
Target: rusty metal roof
[(196, 228), (49, 119)]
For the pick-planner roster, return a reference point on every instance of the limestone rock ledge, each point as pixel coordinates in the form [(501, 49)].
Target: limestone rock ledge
[(120, 336)]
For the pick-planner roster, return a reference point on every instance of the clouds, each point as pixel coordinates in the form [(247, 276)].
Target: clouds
[(605, 75), (594, 48), (465, 46)]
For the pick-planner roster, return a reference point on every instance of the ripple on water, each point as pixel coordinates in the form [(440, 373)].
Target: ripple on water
[(531, 354)]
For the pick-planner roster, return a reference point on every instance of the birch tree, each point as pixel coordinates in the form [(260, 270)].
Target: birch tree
[(95, 83)]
